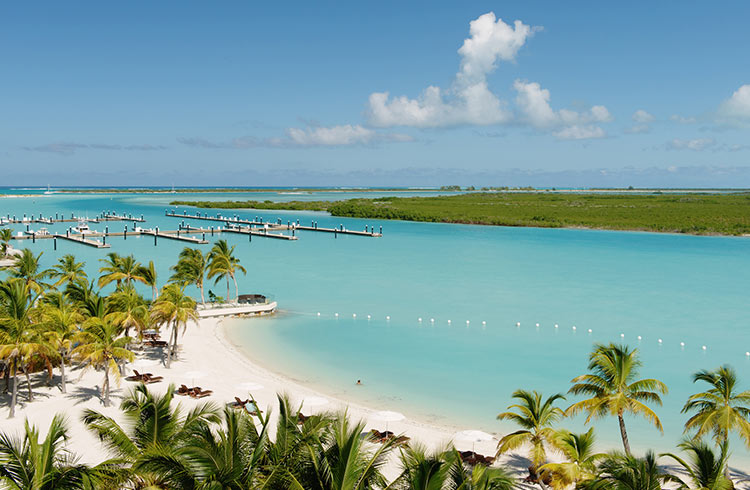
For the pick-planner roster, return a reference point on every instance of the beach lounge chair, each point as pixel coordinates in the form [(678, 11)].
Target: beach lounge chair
[(237, 403), (183, 390), (198, 393), (150, 379), (472, 458), (301, 418)]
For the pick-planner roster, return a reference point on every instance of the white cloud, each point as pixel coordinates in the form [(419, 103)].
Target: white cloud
[(682, 119), (641, 116), (534, 108), (580, 132), (469, 101), (737, 107), (697, 144), (323, 136)]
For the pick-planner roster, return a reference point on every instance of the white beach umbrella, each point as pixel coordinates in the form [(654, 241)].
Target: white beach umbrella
[(314, 401), (250, 386), (473, 436), (141, 364), (388, 416)]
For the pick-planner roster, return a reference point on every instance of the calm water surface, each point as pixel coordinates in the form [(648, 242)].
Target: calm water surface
[(675, 288)]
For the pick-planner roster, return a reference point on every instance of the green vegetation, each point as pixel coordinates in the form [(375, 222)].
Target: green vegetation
[(693, 213), (155, 443)]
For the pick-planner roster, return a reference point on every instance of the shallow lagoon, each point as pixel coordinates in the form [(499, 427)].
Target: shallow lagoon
[(677, 288)]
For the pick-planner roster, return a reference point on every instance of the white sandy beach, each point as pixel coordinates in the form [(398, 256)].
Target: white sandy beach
[(222, 369)]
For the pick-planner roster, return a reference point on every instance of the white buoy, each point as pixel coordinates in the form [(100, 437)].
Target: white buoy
[(574, 328), (368, 317), (622, 335), (484, 322), (660, 341), (318, 313), (336, 314), (419, 319), (518, 324), (354, 315), (703, 347), (388, 318), (639, 337), (432, 320), (682, 344), (556, 325), (590, 330), (537, 325), (747, 353), (467, 322), (449, 322)]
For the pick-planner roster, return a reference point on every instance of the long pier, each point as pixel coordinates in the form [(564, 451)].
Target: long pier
[(81, 239), (241, 231), (174, 236), (25, 220), (277, 226)]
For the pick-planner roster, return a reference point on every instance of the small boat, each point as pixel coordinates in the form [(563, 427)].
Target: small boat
[(82, 227), (48, 191), (42, 232)]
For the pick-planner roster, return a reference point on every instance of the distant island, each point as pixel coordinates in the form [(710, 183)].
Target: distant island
[(703, 213)]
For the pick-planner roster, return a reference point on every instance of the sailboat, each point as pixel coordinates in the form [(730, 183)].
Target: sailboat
[(48, 191)]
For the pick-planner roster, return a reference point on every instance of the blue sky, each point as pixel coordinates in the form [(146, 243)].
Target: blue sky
[(375, 93)]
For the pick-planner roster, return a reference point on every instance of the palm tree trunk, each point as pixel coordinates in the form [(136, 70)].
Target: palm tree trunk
[(203, 298), (28, 383), (6, 375), (14, 394), (62, 370), (105, 386), (624, 434), (236, 290), (170, 346), (227, 288), (727, 474), (175, 332)]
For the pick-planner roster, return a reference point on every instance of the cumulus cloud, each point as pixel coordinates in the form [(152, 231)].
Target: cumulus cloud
[(736, 109), (534, 108), (69, 148), (469, 101), (576, 132), (683, 119), (642, 120), (696, 144), (310, 136)]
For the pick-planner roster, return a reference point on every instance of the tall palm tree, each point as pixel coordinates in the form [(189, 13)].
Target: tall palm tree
[(88, 301), (100, 346), (30, 463), (6, 234), (127, 309), (27, 267), (148, 274), (62, 322), (614, 388), (535, 416), (222, 264), (67, 271), (174, 308), (720, 409), (20, 339), (152, 425), (191, 268), (622, 472), (119, 269), (578, 449), (704, 467)]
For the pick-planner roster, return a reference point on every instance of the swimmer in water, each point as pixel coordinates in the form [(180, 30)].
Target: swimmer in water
[(359, 381)]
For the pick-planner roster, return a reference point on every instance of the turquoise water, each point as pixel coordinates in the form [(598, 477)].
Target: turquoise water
[(677, 288)]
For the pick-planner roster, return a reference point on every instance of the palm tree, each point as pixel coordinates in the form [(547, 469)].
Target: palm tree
[(67, 271), (173, 308), (445, 469), (152, 426), (20, 340), (191, 268), (614, 389), (127, 309), (704, 467), (6, 234), (30, 463), (719, 410), (622, 472), (89, 302), (26, 266), (148, 273), (536, 417), (578, 449), (230, 456), (223, 264), (118, 269), (100, 346), (62, 323)]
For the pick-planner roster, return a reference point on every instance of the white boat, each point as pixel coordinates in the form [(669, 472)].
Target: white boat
[(48, 191), (42, 232), (82, 227)]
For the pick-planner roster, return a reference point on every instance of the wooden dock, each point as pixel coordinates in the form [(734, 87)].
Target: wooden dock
[(27, 220), (220, 219), (82, 240), (242, 231), (173, 235)]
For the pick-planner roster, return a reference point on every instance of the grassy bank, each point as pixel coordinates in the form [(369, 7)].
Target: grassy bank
[(700, 214)]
